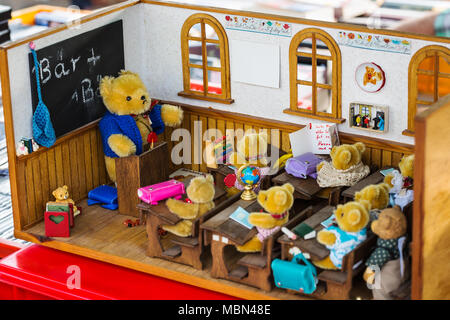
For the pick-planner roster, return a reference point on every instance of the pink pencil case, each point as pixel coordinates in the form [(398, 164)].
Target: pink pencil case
[(161, 191)]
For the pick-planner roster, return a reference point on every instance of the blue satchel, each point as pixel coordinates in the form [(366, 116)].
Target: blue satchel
[(295, 276)]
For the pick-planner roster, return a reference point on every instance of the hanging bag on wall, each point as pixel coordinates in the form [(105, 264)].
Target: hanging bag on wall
[(295, 276), (43, 132)]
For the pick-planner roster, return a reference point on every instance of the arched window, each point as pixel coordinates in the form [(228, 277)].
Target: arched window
[(429, 80), (315, 71), (205, 58)]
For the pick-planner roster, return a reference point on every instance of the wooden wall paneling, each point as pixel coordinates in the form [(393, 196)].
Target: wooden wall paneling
[(37, 192), (103, 176), (220, 127), (22, 195), (60, 178), (81, 168), (204, 124), (396, 157), (376, 157), (30, 193), (285, 142), (88, 161), (186, 125), (366, 157), (95, 158), (74, 188), (66, 166), (195, 153), (45, 184), (386, 158), (51, 169), (229, 131)]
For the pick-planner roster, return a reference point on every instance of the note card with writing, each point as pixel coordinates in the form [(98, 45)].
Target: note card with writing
[(315, 138)]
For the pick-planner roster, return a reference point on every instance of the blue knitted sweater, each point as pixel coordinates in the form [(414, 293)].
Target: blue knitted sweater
[(115, 124)]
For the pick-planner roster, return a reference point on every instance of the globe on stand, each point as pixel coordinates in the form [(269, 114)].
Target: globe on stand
[(249, 177)]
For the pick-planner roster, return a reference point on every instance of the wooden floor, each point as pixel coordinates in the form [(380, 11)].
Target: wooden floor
[(103, 231)]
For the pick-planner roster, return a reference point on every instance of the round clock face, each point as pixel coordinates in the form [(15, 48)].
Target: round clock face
[(370, 77)]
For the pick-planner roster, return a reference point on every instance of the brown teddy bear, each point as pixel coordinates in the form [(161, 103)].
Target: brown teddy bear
[(390, 227), (61, 195), (276, 201), (377, 195), (352, 219), (201, 193), (346, 167), (124, 128)]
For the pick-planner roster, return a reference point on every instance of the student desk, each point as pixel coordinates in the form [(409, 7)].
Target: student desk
[(308, 189), (374, 178), (253, 269), (186, 250)]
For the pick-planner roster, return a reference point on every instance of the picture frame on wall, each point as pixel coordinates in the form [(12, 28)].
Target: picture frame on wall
[(368, 117)]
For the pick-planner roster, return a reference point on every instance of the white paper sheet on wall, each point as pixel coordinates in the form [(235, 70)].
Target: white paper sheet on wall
[(255, 63)]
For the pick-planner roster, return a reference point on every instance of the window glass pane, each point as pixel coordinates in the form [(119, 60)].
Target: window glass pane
[(322, 48), (444, 82), (214, 82), (196, 30), (427, 64), (195, 52), (304, 95), (196, 83), (210, 32), (213, 54), (324, 71), (305, 46), (323, 100), (304, 71), (425, 87)]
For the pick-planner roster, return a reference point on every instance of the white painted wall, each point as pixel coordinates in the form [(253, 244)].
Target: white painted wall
[(162, 73), (152, 48)]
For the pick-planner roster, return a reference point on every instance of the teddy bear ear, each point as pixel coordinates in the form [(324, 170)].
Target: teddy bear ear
[(360, 146), (65, 187), (127, 72), (209, 178), (354, 216), (262, 196), (366, 204), (106, 86), (289, 187)]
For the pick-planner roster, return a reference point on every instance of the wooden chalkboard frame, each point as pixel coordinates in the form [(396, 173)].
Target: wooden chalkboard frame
[(70, 74)]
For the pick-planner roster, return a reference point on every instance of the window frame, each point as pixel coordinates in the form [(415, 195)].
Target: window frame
[(224, 69), (336, 108), (413, 71)]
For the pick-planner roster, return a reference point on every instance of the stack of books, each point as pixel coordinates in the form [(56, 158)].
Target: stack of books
[(5, 15)]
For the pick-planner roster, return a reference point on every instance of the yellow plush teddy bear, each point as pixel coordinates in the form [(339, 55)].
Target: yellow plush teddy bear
[(346, 167), (377, 195), (277, 201), (406, 166), (352, 219), (61, 195), (124, 128), (201, 193), (250, 149)]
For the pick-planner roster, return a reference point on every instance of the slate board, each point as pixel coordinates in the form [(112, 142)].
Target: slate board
[(70, 74)]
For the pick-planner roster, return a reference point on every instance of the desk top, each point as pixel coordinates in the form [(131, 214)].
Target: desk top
[(312, 246), (236, 232), (374, 178), (306, 188)]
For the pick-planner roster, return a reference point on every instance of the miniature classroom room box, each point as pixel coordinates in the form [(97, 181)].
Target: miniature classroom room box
[(228, 71)]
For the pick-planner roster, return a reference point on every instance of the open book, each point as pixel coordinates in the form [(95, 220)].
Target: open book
[(315, 138)]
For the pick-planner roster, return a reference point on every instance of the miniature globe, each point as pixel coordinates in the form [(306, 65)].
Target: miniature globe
[(250, 175)]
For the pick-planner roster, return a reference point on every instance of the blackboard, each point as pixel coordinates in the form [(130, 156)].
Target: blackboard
[(70, 74)]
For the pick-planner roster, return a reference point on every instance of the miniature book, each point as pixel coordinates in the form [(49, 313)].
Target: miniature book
[(241, 216)]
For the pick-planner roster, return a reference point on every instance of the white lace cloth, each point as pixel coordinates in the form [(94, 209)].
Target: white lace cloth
[(328, 176)]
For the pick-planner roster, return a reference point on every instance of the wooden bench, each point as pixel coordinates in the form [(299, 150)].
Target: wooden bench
[(185, 250)]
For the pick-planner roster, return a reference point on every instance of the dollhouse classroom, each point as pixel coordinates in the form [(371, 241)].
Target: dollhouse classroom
[(257, 155)]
